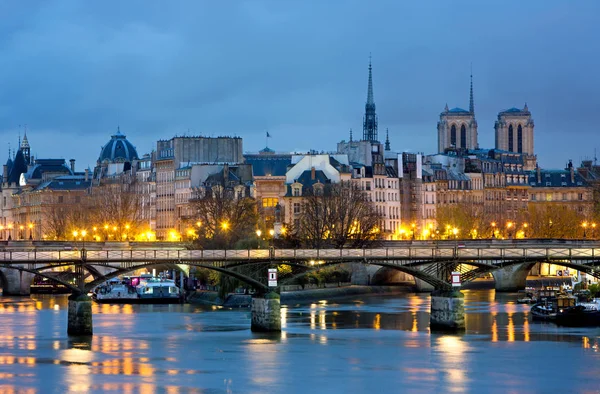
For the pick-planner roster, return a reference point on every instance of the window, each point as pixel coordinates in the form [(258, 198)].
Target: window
[(510, 138), (60, 199), (296, 191), (580, 196), (269, 202), (564, 196), (296, 207), (520, 139), (453, 135), (463, 136)]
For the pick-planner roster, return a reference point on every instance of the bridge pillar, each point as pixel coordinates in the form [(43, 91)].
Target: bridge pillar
[(447, 311), (512, 278), (80, 315), (360, 275), (266, 313), (16, 283)]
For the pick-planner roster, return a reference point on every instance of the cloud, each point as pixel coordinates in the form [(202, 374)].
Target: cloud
[(74, 71)]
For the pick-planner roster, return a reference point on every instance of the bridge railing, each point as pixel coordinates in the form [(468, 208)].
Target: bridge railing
[(399, 253)]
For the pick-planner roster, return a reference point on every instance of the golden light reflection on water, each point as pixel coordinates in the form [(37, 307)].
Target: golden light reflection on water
[(526, 328), (377, 322), (453, 349), (510, 328)]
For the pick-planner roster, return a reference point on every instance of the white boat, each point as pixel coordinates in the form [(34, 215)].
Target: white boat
[(154, 290), (115, 291)]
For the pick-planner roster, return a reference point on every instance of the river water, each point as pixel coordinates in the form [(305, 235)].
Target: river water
[(365, 344)]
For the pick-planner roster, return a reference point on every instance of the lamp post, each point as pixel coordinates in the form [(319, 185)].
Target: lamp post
[(30, 231), (10, 227), (493, 230), (525, 225), (584, 225), (593, 230), (413, 230), (21, 228), (1, 232), (258, 234)]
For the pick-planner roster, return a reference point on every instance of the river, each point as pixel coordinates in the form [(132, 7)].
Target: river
[(364, 344)]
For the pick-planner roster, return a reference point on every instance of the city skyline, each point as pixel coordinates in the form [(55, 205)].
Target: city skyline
[(254, 68)]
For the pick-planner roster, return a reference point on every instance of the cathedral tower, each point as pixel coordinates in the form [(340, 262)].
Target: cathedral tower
[(457, 127), (514, 131)]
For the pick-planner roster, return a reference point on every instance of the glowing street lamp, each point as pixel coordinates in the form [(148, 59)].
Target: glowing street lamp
[(584, 225), (1, 231), (30, 231), (455, 232), (258, 234)]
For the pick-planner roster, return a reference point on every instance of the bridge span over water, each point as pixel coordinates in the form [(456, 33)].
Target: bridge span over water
[(428, 261)]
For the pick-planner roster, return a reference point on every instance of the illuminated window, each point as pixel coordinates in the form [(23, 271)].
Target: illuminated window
[(269, 202)]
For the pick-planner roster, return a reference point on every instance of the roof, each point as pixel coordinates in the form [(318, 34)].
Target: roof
[(19, 167), (118, 149), (48, 165), (555, 178), (67, 182), (458, 110), (271, 165), (306, 180)]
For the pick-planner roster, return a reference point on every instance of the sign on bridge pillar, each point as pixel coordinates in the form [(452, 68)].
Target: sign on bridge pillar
[(455, 279), (272, 277)]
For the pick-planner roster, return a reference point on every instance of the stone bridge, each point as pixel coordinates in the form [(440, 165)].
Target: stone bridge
[(429, 262)]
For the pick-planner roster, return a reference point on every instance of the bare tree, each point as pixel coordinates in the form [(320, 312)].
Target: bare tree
[(338, 215), (116, 206), (226, 215)]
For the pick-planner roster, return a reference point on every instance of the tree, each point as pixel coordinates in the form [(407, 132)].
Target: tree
[(469, 220), (226, 216), (553, 220), (116, 208), (338, 215)]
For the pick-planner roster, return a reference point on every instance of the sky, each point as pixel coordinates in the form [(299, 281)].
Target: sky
[(71, 72)]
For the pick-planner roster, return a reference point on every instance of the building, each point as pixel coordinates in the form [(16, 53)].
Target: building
[(514, 133), (172, 158), (457, 128), (269, 175)]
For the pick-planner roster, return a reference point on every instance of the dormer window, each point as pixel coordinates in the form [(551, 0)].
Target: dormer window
[(296, 192)]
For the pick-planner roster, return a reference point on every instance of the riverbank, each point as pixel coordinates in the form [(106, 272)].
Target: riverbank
[(297, 297)]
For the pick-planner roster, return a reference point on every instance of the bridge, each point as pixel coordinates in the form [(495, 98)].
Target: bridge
[(429, 262)]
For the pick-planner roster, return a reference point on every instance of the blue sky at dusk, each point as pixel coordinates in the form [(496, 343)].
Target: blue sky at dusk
[(73, 71)]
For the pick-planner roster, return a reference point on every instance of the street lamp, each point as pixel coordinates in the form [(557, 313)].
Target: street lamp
[(593, 230), (508, 228), (413, 230), (584, 225), (21, 228), (1, 231), (493, 229), (30, 231), (258, 234), (83, 234), (455, 232), (10, 227)]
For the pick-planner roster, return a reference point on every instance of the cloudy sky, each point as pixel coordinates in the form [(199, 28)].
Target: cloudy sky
[(73, 71)]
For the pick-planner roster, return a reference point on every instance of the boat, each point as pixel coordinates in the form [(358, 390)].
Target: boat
[(153, 290), (116, 291), (578, 316), (548, 308), (43, 285)]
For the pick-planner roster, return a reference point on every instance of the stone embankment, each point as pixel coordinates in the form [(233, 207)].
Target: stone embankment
[(296, 297)]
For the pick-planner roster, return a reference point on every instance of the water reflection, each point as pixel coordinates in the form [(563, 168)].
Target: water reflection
[(355, 345)]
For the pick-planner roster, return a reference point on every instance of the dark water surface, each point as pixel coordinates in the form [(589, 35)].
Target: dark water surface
[(370, 344)]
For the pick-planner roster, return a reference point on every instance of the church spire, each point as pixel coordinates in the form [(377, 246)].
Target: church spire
[(471, 101), (387, 139), (370, 119)]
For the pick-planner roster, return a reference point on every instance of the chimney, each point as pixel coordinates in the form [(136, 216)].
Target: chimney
[(87, 174), (313, 173), (72, 161), (226, 173), (134, 166), (5, 173), (539, 174)]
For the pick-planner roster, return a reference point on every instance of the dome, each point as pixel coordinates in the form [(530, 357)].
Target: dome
[(118, 150)]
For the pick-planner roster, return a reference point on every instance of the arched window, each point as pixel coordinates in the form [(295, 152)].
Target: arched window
[(520, 139), (463, 136), (510, 139), (453, 135)]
